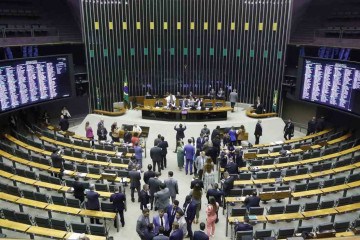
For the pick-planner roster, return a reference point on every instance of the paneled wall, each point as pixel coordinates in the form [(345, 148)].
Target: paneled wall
[(185, 45)]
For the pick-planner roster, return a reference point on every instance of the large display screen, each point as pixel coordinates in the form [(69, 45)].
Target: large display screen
[(34, 80), (330, 82)]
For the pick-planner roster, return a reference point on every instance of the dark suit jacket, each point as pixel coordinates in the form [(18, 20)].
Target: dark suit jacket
[(157, 223), (171, 214), (196, 181), (177, 235), (92, 200), (180, 132), (64, 124), (156, 154), (289, 128), (199, 143), (228, 185), (232, 168), (163, 145), (57, 160), (252, 201), (118, 200), (200, 235), (258, 129), (214, 133), (78, 189), (216, 193), (144, 197), (148, 175), (135, 178), (154, 185), (190, 211), (243, 227)]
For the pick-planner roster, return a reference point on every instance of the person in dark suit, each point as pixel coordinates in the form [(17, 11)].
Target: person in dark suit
[(172, 184), (154, 186), (215, 132), (201, 235), (171, 212), (258, 106), (176, 234), (156, 157), (57, 162), (252, 201), (158, 103), (162, 197), (161, 235), (64, 123), (258, 132), (148, 174), (239, 157), (161, 220), (157, 140), (190, 212), (311, 129), (93, 202), (180, 135), (200, 142), (144, 197), (135, 177), (142, 224), (119, 202), (163, 145), (228, 184), (320, 124), (245, 226), (231, 167), (288, 130), (127, 136), (216, 193), (79, 189)]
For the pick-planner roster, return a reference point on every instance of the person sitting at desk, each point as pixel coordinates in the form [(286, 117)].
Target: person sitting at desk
[(158, 103), (258, 106), (220, 94), (245, 226), (185, 103), (137, 129), (191, 95), (199, 103), (171, 101), (212, 94), (148, 95), (178, 95)]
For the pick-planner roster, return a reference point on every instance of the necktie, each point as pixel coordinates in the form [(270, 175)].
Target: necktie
[(162, 222), (173, 212)]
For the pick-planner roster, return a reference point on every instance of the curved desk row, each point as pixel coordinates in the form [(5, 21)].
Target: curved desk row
[(251, 113), (121, 112)]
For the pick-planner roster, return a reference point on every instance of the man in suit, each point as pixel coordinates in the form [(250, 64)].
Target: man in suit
[(180, 219), (119, 202), (79, 189), (233, 97), (200, 142), (252, 201), (161, 220), (199, 164), (64, 123), (258, 132), (157, 140), (144, 197), (176, 233), (57, 162), (311, 129), (142, 223), (93, 202), (163, 145), (201, 235), (205, 131), (189, 152), (156, 157), (135, 177), (162, 197), (154, 186), (172, 185), (171, 211), (148, 174), (216, 193), (190, 212), (228, 184), (231, 167), (161, 235), (215, 132), (288, 130), (245, 226), (180, 135)]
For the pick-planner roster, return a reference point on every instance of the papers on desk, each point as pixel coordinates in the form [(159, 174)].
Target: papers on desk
[(81, 175), (288, 152), (279, 142), (76, 236), (119, 154), (278, 180), (252, 217), (67, 172)]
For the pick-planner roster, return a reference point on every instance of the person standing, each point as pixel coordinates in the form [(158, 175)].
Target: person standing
[(258, 132), (227, 184), (135, 177), (205, 131), (101, 132), (57, 162), (199, 164), (64, 123), (232, 135), (172, 184), (197, 186), (320, 124), (211, 217), (79, 189), (115, 132), (201, 235), (89, 133), (288, 130), (241, 135), (180, 155), (311, 129), (154, 186), (209, 173), (215, 132), (162, 197), (161, 235), (180, 135), (176, 234), (171, 211), (65, 112), (216, 193), (127, 136), (163, 145), (189, 152), (233, 98), (138, 154), (200, 142), (161, 220), (144, 197), (180, 220), (93, 202), (156, 157), (157, 140), (137, 129), (119, 202), (189, 211), (142, 223), (135, 138), (148, 174)]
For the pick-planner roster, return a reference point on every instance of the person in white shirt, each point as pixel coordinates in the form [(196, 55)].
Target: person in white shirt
[(171, 101), (137, 128), (65, 112)]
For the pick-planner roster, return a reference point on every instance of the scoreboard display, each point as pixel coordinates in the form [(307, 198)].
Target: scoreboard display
[(330, 82), (34, 80)]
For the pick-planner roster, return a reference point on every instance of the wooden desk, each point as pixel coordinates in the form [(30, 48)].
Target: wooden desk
[(91, 237), (296, 151), (306, 193), (32, 203), (259, 218), (24, 180), (243, 182), (251, 113), (337, 188), (47, 185), (274, 154), (53, 233), (13, 225), (284, 217), (264, 181), (348, 208), (8, 197), (321, 174), (319, 212), (234, 199), (5, 174), (97, 214), (63, 209), (264, 155), (296, 178)]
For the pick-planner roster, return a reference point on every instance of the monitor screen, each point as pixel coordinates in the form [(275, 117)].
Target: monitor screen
[(34, 80), (330, 82)]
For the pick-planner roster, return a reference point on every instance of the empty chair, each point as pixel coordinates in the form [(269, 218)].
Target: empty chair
[(263, 151), (261, 234), (71, 202), (82, 168), (77, 154), (247, 191), (45, 161), (59, 224), (238, 212), (287, 147), (325, 227), (276, 149), (97, 230), (355, 199), (13, 190), (235, 192), (268, 189), (275, 174), (44, 178), (311, 206), (261, 175), (28, 194), (43, 222), (94, 170), (313, 185), (301, 171), (78, 143), (328, 183), (283, 188), (99, 147), (30, 174), (306, 156), (8, 169), (68, 152), (9, 214), (109, 148), (244, 176), (326, 166), (107, 207), (90, 156), (292, 208), (256, 211), (20, 172), (69, 166), (125, 161), (23, 218), (123, 173), (302, 229), (290, 172), (255, 163), (244, 235), (58, 200), (41, 197), (102, 187), (341, 226), (284, 233), (269, 161), (316, 168), (276, 210), (315, 154), (343, 201), (116, 160), (283, 159), (354, 178), (69, 182), (326, 204), (300, 187), (55, 180), (102, 158), (294, 158), (339, 180), (79, 227)]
